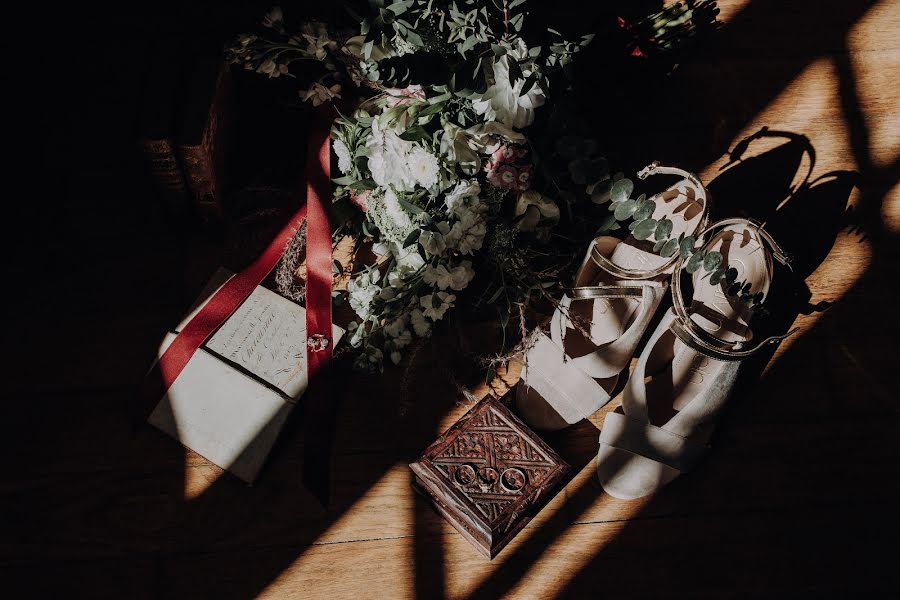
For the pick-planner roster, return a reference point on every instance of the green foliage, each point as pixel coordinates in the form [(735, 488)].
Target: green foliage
[(643, 227)]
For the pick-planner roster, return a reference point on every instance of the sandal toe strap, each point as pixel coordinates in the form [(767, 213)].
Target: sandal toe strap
[(649, 441), (558, 381), (607, 291)]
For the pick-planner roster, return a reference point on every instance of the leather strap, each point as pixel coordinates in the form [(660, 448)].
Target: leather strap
[(700, 195), (698, 338), (650, 441), (607, 291)]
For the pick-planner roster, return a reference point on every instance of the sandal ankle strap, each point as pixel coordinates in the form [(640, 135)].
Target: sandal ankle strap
[(698, 338), (700, 195)]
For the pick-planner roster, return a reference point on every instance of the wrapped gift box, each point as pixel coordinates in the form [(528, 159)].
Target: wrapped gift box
[(489, 475), (234, 396)]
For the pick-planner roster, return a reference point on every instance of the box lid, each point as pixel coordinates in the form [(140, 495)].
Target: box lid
[(489, 474)]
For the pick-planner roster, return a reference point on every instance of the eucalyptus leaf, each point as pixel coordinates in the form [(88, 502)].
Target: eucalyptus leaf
[(621, 190), (625, 209), (669, 248), (645, 229), (686, 246), (658, 245), (607, 224), (712, 260), (716, 276), (694, 263), (645, 208), (663, 229), (731, 275)]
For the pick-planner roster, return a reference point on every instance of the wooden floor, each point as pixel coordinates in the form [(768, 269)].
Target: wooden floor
[(798, 498)]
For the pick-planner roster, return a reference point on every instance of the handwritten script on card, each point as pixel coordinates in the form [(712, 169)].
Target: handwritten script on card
[(267, 336)]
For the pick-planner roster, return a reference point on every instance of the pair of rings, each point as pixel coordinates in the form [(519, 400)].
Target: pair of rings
[(511, 479)]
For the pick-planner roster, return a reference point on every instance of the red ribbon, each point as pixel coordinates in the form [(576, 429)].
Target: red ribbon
[(318, 280)]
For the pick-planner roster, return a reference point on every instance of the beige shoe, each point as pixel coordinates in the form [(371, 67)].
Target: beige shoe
[(569, 375), (686, 371)]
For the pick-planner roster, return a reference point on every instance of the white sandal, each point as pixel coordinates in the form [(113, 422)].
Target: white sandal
[(568, 376), (686, 371)]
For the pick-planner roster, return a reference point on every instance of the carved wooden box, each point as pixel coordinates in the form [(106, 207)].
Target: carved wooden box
[(489, 474)]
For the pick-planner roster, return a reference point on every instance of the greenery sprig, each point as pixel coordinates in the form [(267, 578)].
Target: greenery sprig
[(644, 227)]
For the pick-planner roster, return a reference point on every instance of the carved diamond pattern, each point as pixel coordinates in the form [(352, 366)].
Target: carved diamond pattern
[(491, 463)]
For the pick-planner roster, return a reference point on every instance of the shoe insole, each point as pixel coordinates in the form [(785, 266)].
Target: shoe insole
[(607, 319), (681, 372)]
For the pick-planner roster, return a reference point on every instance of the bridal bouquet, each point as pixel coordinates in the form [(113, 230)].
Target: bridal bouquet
[(435, 156)]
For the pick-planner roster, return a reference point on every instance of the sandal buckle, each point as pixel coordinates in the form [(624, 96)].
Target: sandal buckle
[(646, 171)]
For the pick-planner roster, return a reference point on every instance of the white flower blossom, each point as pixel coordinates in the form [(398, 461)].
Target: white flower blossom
[(362, 290), (395, 211), (357, 334), (503, 101), (388, 158), (457, 198), (419, 323), (433, 241), (403, 340), (343, 156), (406, 262), (437, 276), (381, 249), (467, 234), (461, 275), (456, 278), (396, 326), (424, 167), (435, 305)]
